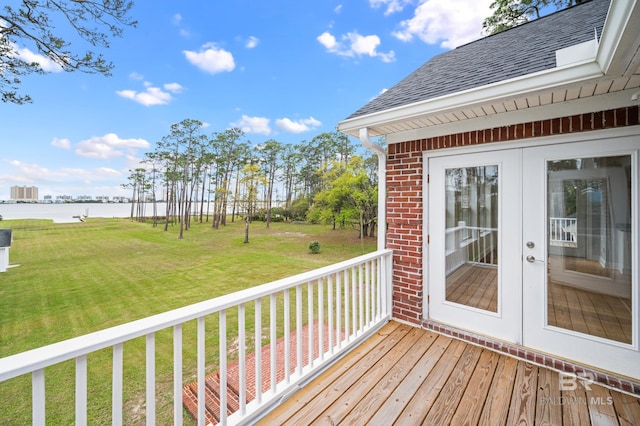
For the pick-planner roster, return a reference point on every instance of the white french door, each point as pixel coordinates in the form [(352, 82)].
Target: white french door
[(474, 219), (580, 279), (539, 246)]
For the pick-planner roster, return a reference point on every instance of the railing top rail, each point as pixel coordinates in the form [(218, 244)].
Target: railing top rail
[(26, 362)]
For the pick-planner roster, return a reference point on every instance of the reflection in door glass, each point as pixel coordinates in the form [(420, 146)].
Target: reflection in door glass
[(471, 239), (589, 246)]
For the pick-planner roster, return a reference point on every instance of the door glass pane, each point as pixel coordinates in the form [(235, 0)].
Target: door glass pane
[(589, 246), (471, 238)]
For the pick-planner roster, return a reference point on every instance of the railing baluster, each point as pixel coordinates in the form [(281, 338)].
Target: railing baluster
[(201, 371), (367, 292), (242, 359), (38, 398), (379, 297), (299, 330), (177, 375), (223, 366), (310, 324), (287, 336), (330, 311), (338, 310), (321, 318), (273, 337), (151, 379), (361, 296), (116, 404), (81, 390), (354, 306), (347, 310), (258, 349)]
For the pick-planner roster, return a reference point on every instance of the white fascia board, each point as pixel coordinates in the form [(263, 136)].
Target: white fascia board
[(620, 37), (508, 89), (574, 107)]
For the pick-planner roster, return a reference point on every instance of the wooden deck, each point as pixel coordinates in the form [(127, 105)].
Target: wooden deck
[(405, 375)]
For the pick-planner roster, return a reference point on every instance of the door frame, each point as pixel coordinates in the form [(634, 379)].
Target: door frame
[(597, 135)]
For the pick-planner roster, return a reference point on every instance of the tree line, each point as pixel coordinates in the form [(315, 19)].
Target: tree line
[(220, 177)]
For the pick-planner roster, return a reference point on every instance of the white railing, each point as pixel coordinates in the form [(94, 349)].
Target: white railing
[(470, 244), (563, 231), (275, 337)]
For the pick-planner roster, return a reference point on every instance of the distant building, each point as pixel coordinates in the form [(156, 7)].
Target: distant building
[(24, 193), (102, 198), (63, 198), (85, 197)]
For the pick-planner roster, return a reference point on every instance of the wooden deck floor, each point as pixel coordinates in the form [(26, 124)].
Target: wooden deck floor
[(405, 375)]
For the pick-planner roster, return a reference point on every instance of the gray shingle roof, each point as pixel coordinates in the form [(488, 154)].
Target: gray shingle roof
[(523, 50)]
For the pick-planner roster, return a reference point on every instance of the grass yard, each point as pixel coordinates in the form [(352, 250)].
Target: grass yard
[(81, 277)]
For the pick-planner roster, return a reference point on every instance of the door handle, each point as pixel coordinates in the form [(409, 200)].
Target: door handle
[(532, 259)]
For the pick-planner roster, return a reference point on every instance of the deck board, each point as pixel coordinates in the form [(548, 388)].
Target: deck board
[(404, 375)]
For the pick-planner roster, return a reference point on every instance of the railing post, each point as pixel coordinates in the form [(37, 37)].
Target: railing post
[(116, 397), (38, 398), (222, 345), (151, 379), (81, 390), (177, 375)]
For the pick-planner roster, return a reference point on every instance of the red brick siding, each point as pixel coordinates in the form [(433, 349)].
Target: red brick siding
[(404, 196)]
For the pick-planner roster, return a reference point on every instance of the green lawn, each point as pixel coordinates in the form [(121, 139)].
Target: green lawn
[(81, 277)]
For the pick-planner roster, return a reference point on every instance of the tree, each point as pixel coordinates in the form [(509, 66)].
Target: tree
[(270, 152), (510, 13), (31, 25), (251, 179), (350, 197)]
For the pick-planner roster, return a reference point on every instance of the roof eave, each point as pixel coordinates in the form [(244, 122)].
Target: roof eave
[(521, 86), (619, 43)]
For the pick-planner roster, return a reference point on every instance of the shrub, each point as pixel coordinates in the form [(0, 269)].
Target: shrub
[(314, 247)]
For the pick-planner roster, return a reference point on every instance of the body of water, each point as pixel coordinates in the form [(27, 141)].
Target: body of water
[(65, 212)]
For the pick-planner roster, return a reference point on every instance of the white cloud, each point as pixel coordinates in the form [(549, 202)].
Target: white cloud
[(355, 45), (328, 41), (298, 126), (152, 95), (252, 42), (173, 87), (253, 125), (338, 8), (61, 143), (448, 22), (392, 6), (136, 76), (109, 146), (32, 173), (176, 20), (45, 63), (211, 59)]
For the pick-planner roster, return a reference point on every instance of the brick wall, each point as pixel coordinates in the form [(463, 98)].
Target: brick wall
[(404, 196)]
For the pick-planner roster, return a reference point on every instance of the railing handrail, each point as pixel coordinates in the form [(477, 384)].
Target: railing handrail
[(42, 357)]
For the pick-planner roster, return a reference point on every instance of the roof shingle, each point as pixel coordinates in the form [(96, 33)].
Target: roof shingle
[(520, 51)]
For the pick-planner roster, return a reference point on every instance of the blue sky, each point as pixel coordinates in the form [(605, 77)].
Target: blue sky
[(280, 69)]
